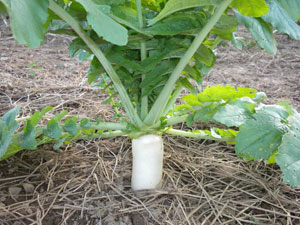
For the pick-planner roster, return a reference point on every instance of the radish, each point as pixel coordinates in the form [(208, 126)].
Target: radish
[(147, 162)]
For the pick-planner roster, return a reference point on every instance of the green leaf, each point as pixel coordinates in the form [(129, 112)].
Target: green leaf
[(151, 62), (292, 7), (27, 20), (235, 113), (205, 55), (127, 16), (53, 129), (287, 106), (272, 158), (225, 93), (8, 125), (6, 136), (76, 47), (70, 126), (195, 74), (253, 8), (225, 26), (288, 156), (228, 133), (12, 149), (2, 9), (206, 113), (261, 32), (27, 138), (189, 120), (85, 123), (116, 56), (103, 25), (178, 24), (58, 117), (37, 116), (237, 42), (59, 143), (261, 136), (177, 5), (186, 83), (58, 25), (260, 96), (95, 70), (10, 116), (126, 77), (156, 76), (281, 21)]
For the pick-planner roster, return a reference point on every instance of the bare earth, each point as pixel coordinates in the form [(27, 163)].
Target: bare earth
[(88, 183)]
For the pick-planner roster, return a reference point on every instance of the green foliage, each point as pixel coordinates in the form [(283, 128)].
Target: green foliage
[(281, 20), (54, 131), (2, 9), (27, 138), (127, 16), (173, 6), (85, 123), (292, 7), (70, 126), (288, 156), (221, 93), (253, 8), (29, 31), (8, 125), (225, 27), (103, 25), (178, 24), (261, 32), (261, 136), (235, 113), (156, 5), (222, 104)]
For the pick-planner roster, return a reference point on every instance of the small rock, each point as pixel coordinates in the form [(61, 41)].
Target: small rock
[(14, 191), (29, 188), (4, 58)]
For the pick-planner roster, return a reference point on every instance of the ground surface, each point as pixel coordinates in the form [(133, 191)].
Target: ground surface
[(89, 183)]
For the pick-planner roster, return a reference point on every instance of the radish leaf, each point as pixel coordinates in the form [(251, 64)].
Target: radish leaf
[(27, 20), (104, 26), (281, 21), (173, 6), (261, 32), (288, 156), (259, 137), (254, 8)]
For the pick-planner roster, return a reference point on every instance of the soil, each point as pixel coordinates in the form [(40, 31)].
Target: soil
[(88, 183)]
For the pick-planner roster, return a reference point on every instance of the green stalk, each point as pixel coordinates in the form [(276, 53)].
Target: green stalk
[(172, 100), (162, 100), (216, 42), (107, 134), (108, 126), (197, 135), (144, 100), (175, 120), (14, 146), (130, 111)]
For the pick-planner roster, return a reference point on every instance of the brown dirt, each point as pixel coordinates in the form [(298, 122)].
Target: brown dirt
[(89, 183)]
